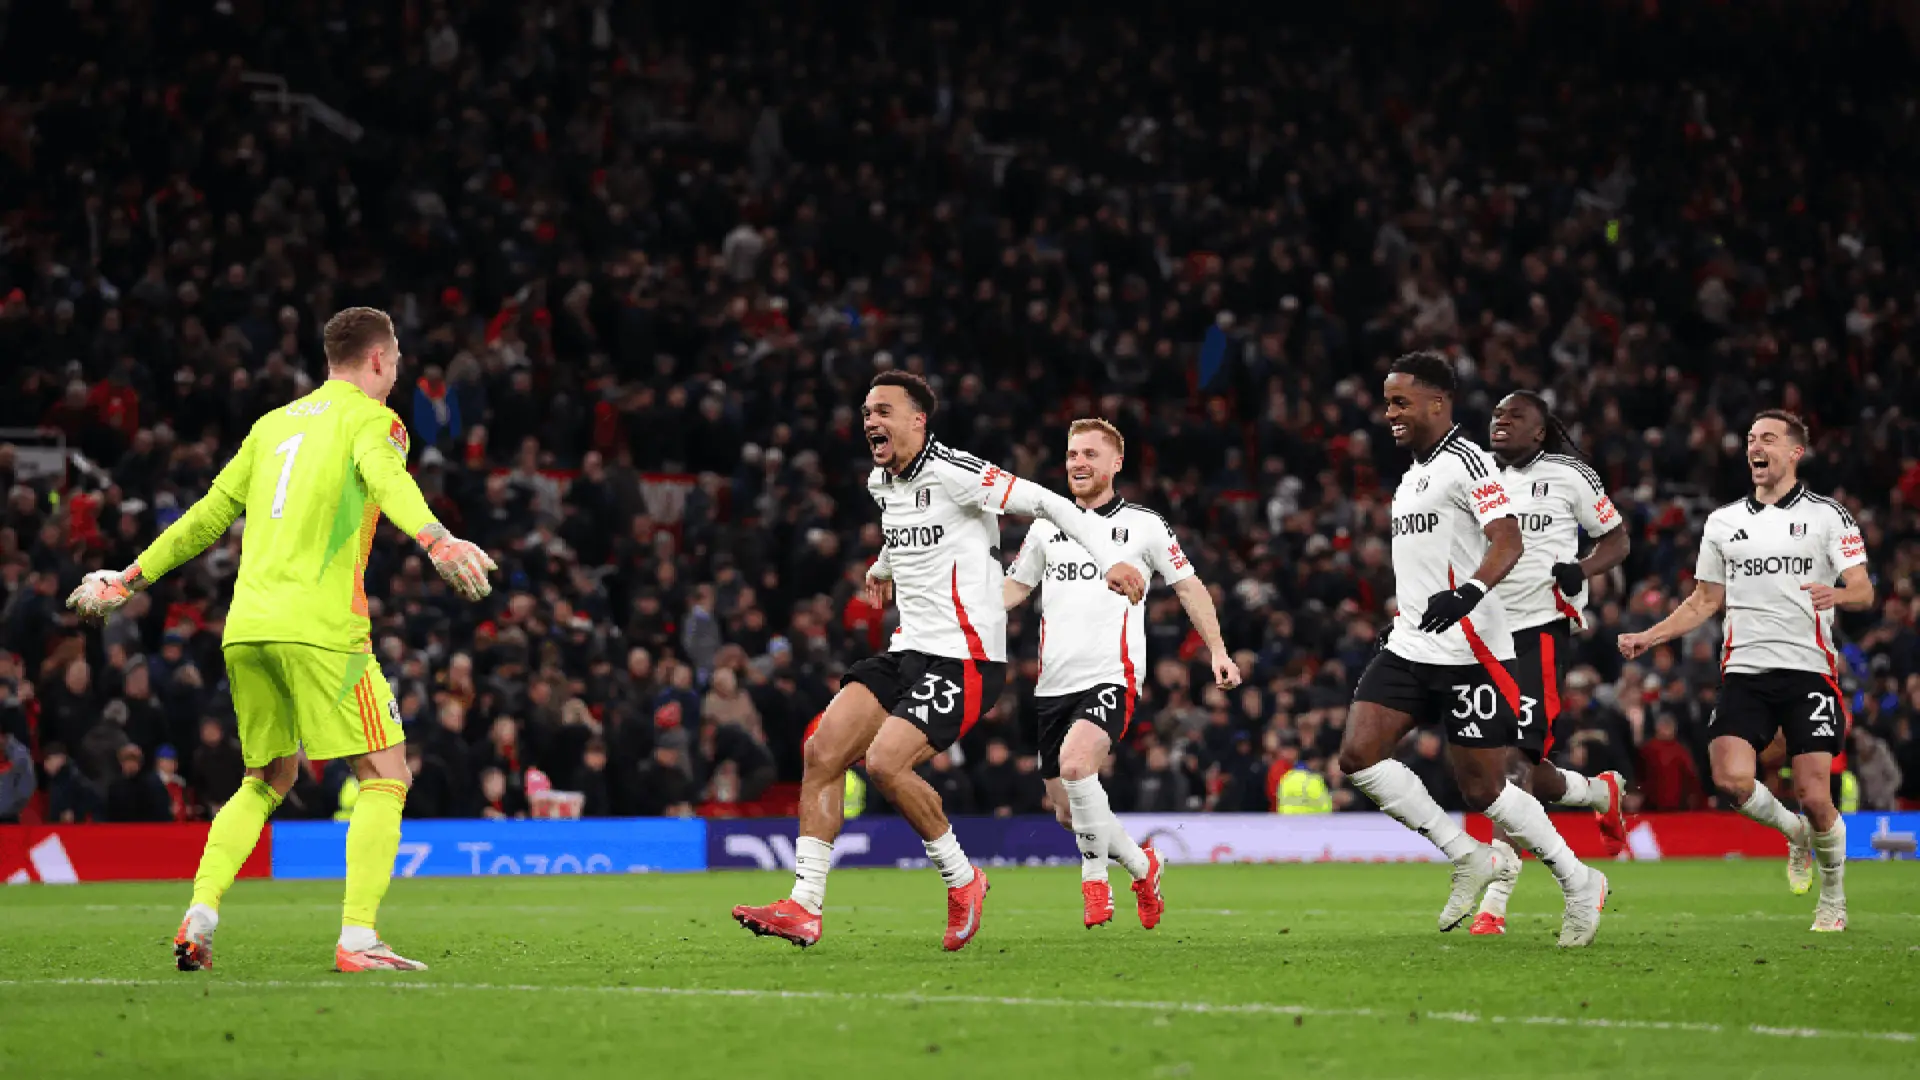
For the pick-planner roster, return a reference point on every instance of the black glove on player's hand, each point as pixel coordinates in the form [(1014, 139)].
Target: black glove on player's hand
[(1446, 608), (1570, 577)]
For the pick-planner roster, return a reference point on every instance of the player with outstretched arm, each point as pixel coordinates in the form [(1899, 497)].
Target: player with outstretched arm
[(940, 515), (1771, 559), (312, 479), (1090, 661)]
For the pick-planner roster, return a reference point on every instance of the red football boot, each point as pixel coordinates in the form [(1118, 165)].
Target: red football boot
[(1488, 923), (1613, 820), (1097, 897), (787, 919), (1146, 891), (964, 906)]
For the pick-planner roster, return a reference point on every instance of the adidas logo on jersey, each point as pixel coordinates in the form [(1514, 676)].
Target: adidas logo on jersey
[(1471, 731), (1738, 535), (1823, 731)]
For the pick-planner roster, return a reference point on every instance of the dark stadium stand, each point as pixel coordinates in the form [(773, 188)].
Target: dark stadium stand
[(643, 265)]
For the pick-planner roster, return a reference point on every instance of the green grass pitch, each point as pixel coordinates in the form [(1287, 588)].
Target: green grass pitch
[(1702, 969)]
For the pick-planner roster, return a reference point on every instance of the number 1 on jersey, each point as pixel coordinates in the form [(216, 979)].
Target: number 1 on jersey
[(290, 449)]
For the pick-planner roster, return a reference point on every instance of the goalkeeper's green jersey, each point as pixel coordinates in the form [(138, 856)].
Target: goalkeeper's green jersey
[(312, 479)]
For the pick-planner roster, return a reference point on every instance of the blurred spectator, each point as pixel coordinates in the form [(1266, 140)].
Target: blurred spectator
[(744, 758), (136, 794), (1161, 789), (180, 798), (17, 780), (500, 799), (218, 766), (590, 780), (996, 781), (957, 792), (1669, 780), (1873, 763), (664, 785)]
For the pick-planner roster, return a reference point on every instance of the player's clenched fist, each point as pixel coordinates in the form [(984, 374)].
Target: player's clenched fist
[(1632, 645), (461, 563), (102, 592), (1125, 579)]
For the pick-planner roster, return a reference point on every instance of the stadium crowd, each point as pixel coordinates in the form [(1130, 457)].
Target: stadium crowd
[(643, 265)]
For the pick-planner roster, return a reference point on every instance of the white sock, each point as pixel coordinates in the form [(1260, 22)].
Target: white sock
[(812, 858), (1583, 791), (1399, 793), (945, 852), (1087, 799), (1494, 900), (1762, 807), (1526, 821), (358, 938), (205, 914), (1830, 848), (1100, 834)]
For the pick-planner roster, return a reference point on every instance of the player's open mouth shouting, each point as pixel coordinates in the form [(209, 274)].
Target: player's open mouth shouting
[(879, 441)]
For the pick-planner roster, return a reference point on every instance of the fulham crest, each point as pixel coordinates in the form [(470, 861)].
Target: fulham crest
[(1119, 535), (923, 498)]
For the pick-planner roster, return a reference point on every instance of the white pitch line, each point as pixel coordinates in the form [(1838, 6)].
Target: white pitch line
[(1252, 1008), (1649, 916)]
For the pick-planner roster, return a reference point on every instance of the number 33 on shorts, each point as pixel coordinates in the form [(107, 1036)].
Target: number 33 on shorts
[(942, 696)]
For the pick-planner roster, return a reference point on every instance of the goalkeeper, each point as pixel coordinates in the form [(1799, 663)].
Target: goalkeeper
[(312, 479)]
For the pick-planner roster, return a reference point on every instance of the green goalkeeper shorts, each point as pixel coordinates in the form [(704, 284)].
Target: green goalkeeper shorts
[(288, 696)]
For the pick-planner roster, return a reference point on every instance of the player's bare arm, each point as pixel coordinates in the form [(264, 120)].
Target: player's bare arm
[(878, 588), (1854, 594), (1693, 612), (1206, 620), (1608, 552), (1014, 593), (1504, 546)]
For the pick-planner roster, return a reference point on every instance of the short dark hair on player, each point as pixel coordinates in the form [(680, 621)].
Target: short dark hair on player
[(1796, 427), (915, 386), (1426, 367), (354, 332)]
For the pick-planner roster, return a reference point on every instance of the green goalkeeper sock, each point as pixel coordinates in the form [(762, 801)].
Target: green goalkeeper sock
[(373, 839), (236, 828)]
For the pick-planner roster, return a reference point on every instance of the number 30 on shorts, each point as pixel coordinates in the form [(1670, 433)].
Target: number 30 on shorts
[(1476, 702)]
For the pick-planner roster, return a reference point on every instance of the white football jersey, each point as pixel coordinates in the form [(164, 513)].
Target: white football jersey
[(1445, 500), (1090, 635), (1763, 555), (940, 523), (1554, 497)]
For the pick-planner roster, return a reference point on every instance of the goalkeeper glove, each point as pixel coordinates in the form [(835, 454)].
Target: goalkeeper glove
[(461, 563), (102, 592), (1446, 608), (1570, 577)]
